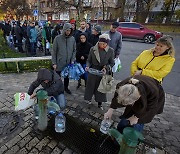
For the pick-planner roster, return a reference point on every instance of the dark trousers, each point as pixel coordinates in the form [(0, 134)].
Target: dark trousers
[(19, 45), (125, 123), (66, 80)]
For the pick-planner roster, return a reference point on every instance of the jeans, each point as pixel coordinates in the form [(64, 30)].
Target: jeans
[(125, 123), (33, 48), (61, 101)]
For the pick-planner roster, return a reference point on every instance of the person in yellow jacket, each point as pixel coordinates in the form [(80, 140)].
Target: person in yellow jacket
[(156, 62)]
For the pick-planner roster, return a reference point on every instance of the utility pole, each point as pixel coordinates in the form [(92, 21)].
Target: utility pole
[(38, 8)]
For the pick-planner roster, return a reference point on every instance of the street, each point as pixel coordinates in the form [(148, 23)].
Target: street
[(132, 48)]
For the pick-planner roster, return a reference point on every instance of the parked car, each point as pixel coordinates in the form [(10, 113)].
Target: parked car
[(137, 31)]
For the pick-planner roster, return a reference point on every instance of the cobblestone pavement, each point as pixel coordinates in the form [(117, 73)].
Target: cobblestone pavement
[(163, 131)]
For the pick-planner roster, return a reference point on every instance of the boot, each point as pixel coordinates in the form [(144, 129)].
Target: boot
[(79, 84)]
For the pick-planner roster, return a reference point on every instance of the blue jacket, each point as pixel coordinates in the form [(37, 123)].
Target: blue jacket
[(33, 35)]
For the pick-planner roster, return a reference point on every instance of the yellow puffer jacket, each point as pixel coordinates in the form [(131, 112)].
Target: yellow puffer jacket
[(155, 67)]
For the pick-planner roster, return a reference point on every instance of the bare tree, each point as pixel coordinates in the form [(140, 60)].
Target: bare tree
[(169, 8), (19, 7), (148, 5)]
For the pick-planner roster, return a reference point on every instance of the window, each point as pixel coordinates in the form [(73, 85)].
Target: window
[(130, 25)]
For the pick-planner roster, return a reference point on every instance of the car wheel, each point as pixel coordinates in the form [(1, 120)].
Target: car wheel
[(149, 38)]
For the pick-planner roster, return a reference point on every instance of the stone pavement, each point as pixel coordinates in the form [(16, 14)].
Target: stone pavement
[(163, 131)]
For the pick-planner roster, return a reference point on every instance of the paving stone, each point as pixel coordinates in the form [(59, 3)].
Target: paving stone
[(42, 143), (46, 150), (56, 150), (26, 131), (32, 143), (22, 151), (24, 141), (34, 151), (13, 141), (52, 144), (1, 105), (87, 120), (13, 150), (3, 148)]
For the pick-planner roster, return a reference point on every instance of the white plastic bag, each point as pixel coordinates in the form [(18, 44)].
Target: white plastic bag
[(117, 66), (22, 101), (48, 45)]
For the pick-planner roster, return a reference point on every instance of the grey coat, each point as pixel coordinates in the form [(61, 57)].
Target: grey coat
[(97, 60), (64, 49), (115, 42)]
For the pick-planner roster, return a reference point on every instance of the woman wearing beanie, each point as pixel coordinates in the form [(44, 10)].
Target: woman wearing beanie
[(101, 57)]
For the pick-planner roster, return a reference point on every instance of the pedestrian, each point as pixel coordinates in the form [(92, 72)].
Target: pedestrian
[(56, 31), (52, 83), (94, 37), (82, 29), (7, 30), (101, 57), (143, 98), (33, 38), (116, 38), (19, 36), (82, 53), (88, 26), (156, 62), (64, 52), (46, 34)]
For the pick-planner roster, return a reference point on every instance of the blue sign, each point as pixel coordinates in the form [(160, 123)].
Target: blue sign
[(35, 12)]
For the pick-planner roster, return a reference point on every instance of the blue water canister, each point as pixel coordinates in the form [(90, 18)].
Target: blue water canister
[(105, 125), (60, 123)]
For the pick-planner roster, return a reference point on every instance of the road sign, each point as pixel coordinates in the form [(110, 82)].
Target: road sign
[(35, 12)]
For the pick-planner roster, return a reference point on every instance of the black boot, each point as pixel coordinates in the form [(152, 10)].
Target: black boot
[(67, 91), (79, 84)]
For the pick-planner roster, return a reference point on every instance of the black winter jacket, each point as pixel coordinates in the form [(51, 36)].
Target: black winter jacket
[(54, 87)]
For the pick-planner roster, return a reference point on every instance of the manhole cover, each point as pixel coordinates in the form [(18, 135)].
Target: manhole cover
[(9, 122)]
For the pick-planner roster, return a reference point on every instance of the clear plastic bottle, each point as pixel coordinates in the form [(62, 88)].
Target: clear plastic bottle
[(105, 125), (60, 123)]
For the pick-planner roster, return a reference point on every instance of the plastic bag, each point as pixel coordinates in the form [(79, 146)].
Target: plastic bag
[(117, 66), (73, 71), (47, 45), (106, 84), (22, 101)]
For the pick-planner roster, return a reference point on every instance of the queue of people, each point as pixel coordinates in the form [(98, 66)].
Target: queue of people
[(141, 94)]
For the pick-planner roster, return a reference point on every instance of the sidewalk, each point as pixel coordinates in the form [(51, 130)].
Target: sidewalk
[(164, 130)]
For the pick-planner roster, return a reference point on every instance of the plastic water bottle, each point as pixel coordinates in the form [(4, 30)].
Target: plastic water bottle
[(60, 123), (52, 106), (105, 125)]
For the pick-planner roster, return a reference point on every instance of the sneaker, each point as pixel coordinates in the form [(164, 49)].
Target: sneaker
[(101, 107), (68, 91), (36, 117), (89, 102)]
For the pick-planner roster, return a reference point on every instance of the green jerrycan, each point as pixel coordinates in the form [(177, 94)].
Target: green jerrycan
[(128, 141), (42, 98)]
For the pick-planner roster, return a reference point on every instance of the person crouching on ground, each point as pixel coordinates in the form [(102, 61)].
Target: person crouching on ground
[(52, 83), (101, 57), (143, 98)]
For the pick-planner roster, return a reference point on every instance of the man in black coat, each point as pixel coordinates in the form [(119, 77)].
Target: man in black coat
[(19, 36), (52, 83)]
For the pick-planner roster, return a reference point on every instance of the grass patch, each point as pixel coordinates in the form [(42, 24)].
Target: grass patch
[(6, 52), (165, 28)]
